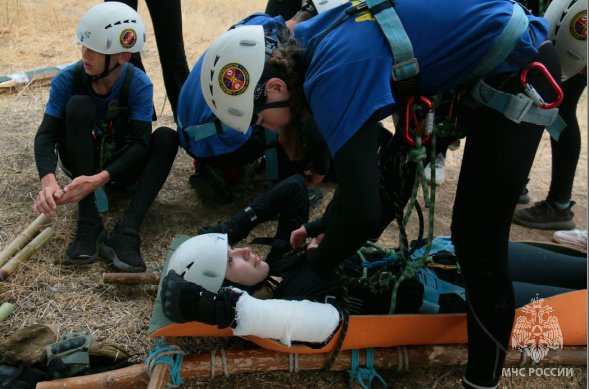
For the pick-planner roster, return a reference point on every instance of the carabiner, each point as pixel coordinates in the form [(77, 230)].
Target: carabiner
[(429, 121), (533, 93)]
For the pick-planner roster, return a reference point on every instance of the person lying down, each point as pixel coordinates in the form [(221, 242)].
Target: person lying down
[(212, 282)]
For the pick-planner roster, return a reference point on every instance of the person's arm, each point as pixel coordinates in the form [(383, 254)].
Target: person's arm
[(45, 141), (356, 206), (285, 320)]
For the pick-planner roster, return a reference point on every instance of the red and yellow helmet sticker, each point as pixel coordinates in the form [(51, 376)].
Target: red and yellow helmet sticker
[(578, 26), (234, 79), (128, 38)]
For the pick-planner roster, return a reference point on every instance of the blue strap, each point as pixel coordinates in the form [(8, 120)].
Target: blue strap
[(202, 131), (518, 108), (506, 42), (433, 288), (271, 155), (405, 64), (169, 354), (101, 200), (364, 376)]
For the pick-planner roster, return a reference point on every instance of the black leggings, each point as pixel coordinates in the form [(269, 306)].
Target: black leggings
[(166, 17), (565, 151), (78, 155), (285, 8), (497, 158), (290, 199)]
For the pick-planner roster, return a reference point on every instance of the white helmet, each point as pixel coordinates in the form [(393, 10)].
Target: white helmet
[(231, 69), (568, 31), (325, 5), (202, 260), (111, 28)]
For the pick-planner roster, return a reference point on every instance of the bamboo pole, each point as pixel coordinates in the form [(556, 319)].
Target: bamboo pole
[(257, 360), (147, 278), (160, 376), (23, 238), (5, 310), (31, 248)]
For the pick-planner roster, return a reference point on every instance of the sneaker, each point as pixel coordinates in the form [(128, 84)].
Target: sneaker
[(210, 184), (544, 215), (440, 166), (84, 247), (454, 145), (315, 198), (577, 238), (122, 248), (524, 197)]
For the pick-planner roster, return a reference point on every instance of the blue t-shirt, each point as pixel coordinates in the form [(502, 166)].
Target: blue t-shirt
[(194, 111), (139, 99), (348, 78)]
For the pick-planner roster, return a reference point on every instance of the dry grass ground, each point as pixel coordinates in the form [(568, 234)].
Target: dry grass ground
[(39, 33)]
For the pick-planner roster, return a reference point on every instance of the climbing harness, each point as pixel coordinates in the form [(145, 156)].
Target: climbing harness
[(118, 116), (196, 133), (169, 354)]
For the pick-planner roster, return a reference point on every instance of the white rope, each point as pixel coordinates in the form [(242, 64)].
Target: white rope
[(224, 360)]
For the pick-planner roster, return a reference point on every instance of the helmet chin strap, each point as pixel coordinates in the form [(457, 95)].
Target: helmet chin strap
[(106, 71), (276, 104)]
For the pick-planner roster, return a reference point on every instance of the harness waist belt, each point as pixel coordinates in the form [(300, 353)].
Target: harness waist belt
[(518, 108)]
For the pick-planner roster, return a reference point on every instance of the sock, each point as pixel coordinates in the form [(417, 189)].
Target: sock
[(562, 205)]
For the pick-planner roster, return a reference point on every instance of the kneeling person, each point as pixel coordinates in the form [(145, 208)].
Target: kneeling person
[(98, 123)]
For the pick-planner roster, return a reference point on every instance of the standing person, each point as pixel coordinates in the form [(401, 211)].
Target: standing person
[(346, 83), (568, 31), (166, 17), (97, 123)]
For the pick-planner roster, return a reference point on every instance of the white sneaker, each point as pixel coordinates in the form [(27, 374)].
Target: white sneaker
[(440, 165), (576, 238)]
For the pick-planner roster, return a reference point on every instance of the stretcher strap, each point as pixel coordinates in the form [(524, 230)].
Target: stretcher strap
[(364, 375)]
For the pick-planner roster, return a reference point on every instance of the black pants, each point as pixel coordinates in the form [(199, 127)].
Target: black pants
[(289, 199), (285, 8), (565, 151), (79, 156), (166, 17), (497, 158)]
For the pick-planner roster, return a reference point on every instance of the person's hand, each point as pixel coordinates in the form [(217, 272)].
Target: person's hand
[(82, 186), (298, 237), (184, 301), (315, 242), (48, 197), (312, 178)]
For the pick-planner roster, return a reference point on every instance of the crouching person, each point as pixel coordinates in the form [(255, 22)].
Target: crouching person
[(209, 281), (98, 124)]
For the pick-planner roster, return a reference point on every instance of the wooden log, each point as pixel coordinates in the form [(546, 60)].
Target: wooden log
[(23, 238), (258, 360), (147, 278), (24, 254)]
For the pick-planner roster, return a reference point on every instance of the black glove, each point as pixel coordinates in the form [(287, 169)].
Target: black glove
[(184, 301)]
